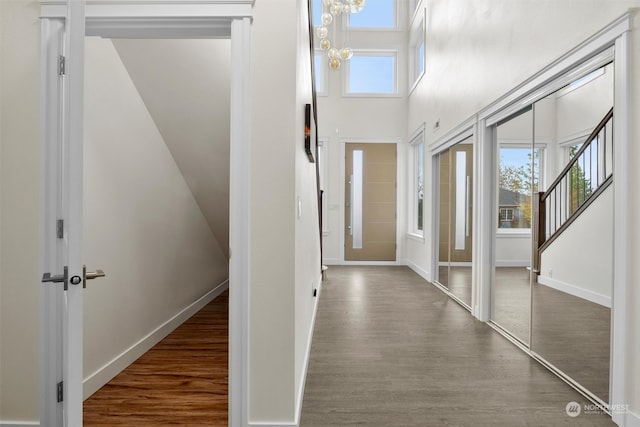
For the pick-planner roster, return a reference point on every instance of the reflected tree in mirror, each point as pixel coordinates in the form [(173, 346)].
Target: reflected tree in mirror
[(517, 179)]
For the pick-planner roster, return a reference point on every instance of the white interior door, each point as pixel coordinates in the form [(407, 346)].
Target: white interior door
[(72, 180)]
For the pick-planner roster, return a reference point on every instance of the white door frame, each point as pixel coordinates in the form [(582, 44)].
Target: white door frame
[(149, 19)]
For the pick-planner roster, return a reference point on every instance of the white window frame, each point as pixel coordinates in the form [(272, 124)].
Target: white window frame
[(417, 38), (372, 52), (506, 217), (414, 6), (396, 27), (323, 65), (415, 141)]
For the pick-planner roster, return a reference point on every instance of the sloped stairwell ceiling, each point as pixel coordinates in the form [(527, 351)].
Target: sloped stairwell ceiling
[(185, 85)]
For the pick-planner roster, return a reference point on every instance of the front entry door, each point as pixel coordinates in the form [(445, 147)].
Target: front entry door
[(370, 202)]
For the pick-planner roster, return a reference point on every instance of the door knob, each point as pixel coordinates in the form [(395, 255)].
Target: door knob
[(59, 278), (90, 275)]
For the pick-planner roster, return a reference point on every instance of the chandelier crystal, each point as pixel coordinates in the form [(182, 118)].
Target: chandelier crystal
[(333, 10)]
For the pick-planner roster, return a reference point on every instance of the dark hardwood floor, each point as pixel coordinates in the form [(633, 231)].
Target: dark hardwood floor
[(183, 380)]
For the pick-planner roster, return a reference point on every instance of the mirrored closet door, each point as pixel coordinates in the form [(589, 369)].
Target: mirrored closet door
[(571, 306), (455, 189), (553, 265)]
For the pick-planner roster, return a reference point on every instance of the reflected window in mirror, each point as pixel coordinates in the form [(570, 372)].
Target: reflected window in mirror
[(518, 178)]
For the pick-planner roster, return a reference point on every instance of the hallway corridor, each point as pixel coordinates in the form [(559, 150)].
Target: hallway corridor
[(389, 349)]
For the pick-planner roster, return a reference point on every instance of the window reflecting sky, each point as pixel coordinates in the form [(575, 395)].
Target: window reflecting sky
[(376, 14), (371, 74)]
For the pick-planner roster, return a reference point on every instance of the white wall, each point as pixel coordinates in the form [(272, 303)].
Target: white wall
[(285, 249), (273, 206), (582, 255), (185, 85), (20, 228), (580, 110), (142, 223)]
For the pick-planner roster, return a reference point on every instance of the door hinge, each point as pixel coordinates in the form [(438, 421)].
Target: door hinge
[(60, 228), (60, 391), (61, 65)]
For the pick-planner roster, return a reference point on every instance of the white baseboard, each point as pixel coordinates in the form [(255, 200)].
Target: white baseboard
[(631, 420), (282, 424), (307, 356), (454, 264), (361, 263), (576, 291), (513, 263), (420, 271), (19, 423), (102, 376), (331, 261)]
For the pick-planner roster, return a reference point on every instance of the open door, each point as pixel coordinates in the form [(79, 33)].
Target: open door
[(72, 179), (67, 276), (70, 209)]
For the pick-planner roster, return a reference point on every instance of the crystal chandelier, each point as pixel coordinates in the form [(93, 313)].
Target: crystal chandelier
[(332, 12)]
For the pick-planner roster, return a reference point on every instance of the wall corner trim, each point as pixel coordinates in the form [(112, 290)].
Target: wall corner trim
[(102, 376)]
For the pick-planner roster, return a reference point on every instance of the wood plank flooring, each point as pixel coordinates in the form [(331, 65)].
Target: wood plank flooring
[(183, 380), (389, 349)]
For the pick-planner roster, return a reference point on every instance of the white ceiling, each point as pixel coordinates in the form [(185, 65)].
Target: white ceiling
[(185, 85)]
